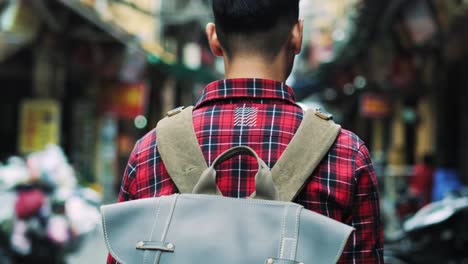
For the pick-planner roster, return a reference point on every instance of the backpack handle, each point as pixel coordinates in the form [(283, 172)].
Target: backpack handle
[(265, 188)]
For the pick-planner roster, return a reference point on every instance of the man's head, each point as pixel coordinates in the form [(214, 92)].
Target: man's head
[(265, 28)]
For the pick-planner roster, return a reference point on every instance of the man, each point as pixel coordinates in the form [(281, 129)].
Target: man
[(258, 40)]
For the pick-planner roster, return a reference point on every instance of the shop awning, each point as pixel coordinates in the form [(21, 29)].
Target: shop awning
[(363, 22), (138, 29), (18, 27)]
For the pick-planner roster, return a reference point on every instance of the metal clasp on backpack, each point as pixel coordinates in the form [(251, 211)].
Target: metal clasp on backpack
[(323, 115), (176, 111), (281, 261), (154, 245)]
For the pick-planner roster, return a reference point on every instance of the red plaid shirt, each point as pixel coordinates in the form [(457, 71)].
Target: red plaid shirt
[(263, 114)]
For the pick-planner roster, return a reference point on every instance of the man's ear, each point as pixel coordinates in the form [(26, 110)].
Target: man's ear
[(213, 40), (296, 37)]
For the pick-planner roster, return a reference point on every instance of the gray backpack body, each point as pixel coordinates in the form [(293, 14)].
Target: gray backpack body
[(201, 226)]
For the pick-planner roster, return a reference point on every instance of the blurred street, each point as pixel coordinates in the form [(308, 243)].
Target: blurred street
[(93, 250), (83, 80)]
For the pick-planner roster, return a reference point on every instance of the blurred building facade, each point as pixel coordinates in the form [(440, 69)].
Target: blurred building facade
[(94, 76), (397, 79)]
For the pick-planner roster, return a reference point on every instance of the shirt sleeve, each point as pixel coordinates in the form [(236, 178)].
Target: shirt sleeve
[(366, 243), (128, 186)]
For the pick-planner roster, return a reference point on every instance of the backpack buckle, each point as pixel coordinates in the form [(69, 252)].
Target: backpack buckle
[(323, 115), (176, 111)]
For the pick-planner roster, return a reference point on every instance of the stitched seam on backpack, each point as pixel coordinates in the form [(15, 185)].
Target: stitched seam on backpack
[(296, 233), (108, 242), (157, 257), (169, 217), (155, 219), (152, 229), (283, 231), (166, 227)]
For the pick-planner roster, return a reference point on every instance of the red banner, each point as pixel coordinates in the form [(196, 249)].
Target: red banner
[(125, 100), (376, 106)]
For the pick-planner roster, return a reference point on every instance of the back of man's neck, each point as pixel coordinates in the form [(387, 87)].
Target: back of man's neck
[(251, 67)]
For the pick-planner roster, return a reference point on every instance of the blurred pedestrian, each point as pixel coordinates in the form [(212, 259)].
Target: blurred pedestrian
[(446, 180), (253, 106), (422, 180)]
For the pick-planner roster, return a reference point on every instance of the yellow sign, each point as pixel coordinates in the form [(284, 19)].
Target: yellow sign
[(39, 124)]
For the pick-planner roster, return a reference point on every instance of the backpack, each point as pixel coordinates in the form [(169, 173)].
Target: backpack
[(199, 225)]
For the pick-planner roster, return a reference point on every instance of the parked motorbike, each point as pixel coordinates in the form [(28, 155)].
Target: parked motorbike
[(437, 233), (47, 227), (44, 213), (6, 221)]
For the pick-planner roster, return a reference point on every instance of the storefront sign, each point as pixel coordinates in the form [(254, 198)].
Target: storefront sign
[(125, 100), (375, 106), (39, 124)]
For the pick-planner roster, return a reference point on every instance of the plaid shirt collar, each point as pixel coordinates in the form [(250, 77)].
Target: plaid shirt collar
[(246, 88)]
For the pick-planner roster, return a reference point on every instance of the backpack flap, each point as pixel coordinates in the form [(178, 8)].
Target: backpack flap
[(135, 229), (321, 238), (193, 228)]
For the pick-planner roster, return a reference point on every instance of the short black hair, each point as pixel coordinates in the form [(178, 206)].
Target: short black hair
[(254, 25)]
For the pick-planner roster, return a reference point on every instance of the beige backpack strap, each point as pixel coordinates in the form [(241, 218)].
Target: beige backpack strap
[(179, 149), (310, 144), (185, 163)]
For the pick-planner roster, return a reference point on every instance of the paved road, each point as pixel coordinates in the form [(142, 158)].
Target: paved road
[(93, 250)]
